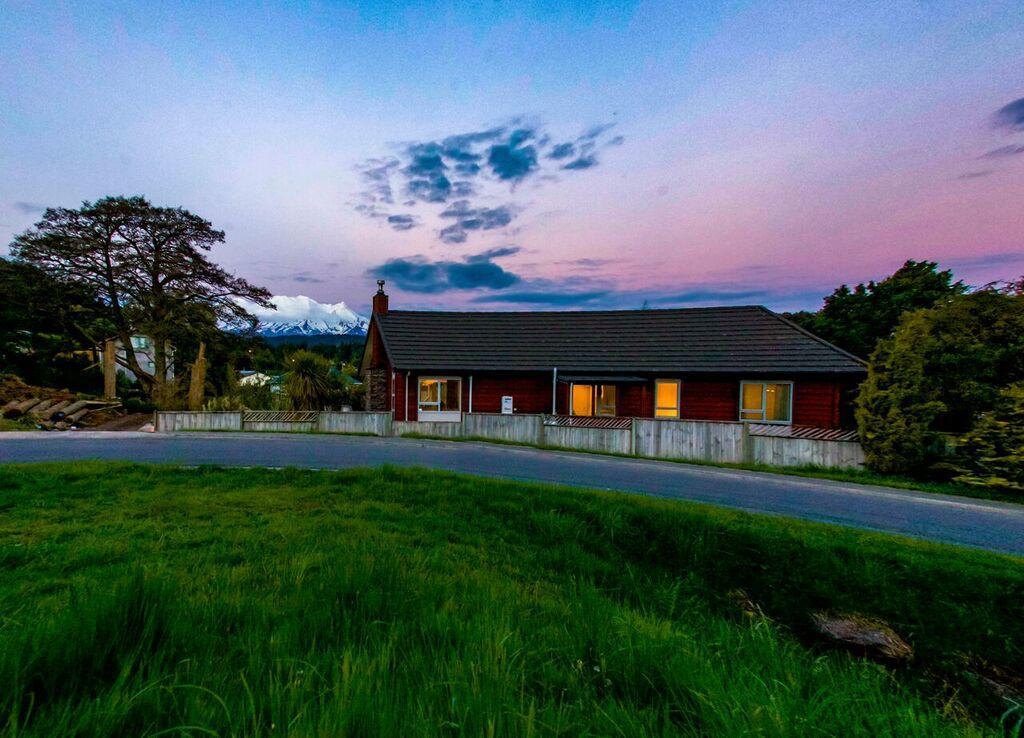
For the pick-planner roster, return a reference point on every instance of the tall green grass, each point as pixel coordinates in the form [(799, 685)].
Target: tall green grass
[(154, 601)]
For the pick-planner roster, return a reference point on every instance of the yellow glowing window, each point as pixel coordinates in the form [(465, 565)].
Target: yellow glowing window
[(593, 399), (766, 402), (583, 399), (666, 398)]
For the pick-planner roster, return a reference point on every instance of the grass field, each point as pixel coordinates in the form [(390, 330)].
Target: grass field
[(141, 600)]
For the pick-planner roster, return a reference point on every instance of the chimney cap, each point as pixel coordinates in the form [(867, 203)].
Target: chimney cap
[(380, 286)]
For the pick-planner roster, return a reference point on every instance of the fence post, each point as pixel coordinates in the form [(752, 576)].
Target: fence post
[(540, 430), (632, 436), (746, 445)]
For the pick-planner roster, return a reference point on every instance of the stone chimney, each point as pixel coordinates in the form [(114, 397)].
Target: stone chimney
[(380, 300)]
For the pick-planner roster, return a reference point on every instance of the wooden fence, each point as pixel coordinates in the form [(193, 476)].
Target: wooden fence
[(718, 442)]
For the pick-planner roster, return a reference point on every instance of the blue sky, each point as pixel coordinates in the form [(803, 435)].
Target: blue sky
[(743, 154)]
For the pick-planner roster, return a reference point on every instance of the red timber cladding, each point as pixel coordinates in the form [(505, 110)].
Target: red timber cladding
[(816, 402), (710, 399)]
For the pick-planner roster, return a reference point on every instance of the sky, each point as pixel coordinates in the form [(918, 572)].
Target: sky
[(501, 155)]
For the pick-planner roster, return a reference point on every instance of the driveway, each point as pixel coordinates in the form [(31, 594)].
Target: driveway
[(990, 525)]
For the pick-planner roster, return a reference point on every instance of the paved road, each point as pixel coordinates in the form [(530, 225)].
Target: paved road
[(982, 524)]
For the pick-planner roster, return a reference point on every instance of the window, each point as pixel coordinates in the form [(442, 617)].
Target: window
[(440, 398), (582, 399), (667, 398), (766, 402), (593, 399)]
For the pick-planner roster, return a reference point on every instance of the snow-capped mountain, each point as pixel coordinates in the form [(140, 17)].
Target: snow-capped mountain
[(304, 316)]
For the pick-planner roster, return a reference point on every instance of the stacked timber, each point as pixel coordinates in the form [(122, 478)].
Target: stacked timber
[(56, 415)]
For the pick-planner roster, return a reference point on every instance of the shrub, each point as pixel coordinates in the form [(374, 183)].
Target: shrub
[(992, 453), (308, 382), (938, 373)]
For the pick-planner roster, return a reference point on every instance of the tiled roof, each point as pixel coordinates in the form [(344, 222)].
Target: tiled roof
[(742, 340)]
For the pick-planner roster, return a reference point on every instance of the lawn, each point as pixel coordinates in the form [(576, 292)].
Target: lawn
[(141, 600)]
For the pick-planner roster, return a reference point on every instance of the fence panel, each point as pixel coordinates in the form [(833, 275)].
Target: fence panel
[(279, 426), (689, 439), (617, 441), (774, 451), (497, 427), (427, 428), (376, 423), (169, 421)]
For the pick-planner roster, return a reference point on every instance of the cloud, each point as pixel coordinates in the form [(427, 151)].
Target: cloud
[(535, 297), (468, 218), (402, 222), (562, 150), (306, 278), (478, 271), (986, 261), (1010, 116), (512, 162), (975, 175), (1004, 151), (455, 170), (29, 208), (583, 162)]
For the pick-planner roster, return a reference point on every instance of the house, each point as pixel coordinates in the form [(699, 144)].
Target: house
[(249, 378), (719, 363), (144, 353)]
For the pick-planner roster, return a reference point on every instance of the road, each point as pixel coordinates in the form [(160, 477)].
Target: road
[(982, 524)]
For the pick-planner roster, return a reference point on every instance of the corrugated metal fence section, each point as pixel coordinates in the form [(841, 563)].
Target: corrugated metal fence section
[(718, 442)]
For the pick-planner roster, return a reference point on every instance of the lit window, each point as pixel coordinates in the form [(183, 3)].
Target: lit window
[(440, 398), (605, 399), (593, 399), (766, 402), (582, 399), (666, 398)]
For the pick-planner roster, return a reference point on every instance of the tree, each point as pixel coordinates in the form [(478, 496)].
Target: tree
[(857, 319), (146, 265), (937, 374), (307, 382), (992, 453)]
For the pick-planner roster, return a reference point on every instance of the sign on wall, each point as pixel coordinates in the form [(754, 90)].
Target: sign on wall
[(506, 404)]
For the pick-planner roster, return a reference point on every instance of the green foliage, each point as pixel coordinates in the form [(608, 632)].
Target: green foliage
[(857, 319), (386, 602), (992, 453), (941, 369), (147, 268), (308, 381)]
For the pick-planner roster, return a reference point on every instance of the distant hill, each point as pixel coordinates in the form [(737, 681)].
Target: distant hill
[(301, 319)]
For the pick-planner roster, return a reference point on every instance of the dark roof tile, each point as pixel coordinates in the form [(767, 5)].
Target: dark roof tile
[(748, 339)]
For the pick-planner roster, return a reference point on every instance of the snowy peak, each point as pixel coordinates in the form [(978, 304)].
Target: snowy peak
[(304, 316)]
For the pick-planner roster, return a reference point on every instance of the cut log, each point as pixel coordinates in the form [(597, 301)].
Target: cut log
[(76, 416), (39, 410), (74, 407), (54, 409), (10, 409), (22, 407)]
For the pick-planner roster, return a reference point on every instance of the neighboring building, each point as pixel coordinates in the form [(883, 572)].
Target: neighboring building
[(258, 379), (727, 363), (143, 348)]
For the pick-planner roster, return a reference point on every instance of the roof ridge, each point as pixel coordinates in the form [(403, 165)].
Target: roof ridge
[(814, 336), (621, 311)]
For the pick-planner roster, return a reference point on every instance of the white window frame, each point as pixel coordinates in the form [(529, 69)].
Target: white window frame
[(764, 401), (679, 399), (442, 416)]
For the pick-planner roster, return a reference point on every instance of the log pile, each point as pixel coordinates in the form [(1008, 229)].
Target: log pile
[(58, 414)]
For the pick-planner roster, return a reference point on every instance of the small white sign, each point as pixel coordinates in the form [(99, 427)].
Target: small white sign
[(506, 404)]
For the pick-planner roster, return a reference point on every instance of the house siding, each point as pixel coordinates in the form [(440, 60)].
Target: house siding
[(817, 402)]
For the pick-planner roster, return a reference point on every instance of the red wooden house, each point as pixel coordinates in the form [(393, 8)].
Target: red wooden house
[(722, 363)]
